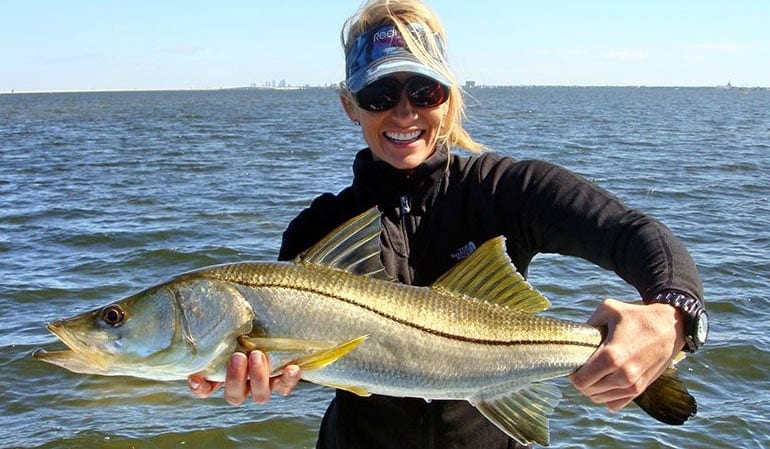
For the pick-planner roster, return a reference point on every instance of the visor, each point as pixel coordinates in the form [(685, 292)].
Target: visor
[(382, 51)]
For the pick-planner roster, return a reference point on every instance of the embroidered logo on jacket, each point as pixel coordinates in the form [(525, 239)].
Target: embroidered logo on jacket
[(463, 252)]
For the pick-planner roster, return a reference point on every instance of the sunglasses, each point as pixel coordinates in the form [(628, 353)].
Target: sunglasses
[(385, 93)]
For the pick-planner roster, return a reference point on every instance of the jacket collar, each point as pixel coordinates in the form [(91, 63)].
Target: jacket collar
[(386, 185)]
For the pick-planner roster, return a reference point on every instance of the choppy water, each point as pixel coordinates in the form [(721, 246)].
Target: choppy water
[(102, 194)]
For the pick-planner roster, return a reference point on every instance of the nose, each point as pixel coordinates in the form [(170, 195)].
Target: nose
[(404, 108)]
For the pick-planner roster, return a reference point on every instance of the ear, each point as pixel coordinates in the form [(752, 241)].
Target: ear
[(350, 109)]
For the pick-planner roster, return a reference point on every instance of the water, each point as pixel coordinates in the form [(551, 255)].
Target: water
[(102, 194)]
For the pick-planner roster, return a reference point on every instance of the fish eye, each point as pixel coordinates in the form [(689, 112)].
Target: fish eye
[(113, 315)]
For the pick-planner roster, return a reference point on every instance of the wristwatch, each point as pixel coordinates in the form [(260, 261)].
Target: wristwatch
[(696, 327)]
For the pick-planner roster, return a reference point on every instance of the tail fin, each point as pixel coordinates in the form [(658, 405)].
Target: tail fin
[(667, 399)]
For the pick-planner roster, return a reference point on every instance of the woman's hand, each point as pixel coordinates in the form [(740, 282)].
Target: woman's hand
[(641, 341), (247, 376)]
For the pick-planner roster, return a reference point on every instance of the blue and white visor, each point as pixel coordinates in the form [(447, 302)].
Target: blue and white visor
[(382, 51)]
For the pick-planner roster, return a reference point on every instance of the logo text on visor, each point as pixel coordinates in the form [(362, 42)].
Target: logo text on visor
[(383, 51)]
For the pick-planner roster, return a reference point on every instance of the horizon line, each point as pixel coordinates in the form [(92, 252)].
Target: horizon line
[(332, 86)]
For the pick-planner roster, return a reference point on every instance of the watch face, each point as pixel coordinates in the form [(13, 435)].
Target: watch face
[(702, 328)]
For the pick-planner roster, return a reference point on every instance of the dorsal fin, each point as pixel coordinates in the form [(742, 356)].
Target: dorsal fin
[(354, 246), (489, 275)]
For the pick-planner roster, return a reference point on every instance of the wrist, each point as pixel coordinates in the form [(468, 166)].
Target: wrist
[(691, 312)]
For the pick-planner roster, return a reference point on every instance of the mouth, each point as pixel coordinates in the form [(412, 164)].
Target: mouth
[(75, 357), (404, 138), (60, 331)]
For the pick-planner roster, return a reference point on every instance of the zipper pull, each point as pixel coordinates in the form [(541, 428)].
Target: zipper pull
[(405, 209)]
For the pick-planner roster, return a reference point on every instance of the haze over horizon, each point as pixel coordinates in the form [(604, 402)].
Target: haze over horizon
[(142, 45)]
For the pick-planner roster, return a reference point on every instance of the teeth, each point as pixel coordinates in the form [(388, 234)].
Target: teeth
[(403, 137)]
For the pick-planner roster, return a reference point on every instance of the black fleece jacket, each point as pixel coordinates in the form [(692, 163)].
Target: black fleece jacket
[(434, 216)]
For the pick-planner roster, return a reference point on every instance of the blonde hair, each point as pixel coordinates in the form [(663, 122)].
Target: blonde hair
[(402, 14)]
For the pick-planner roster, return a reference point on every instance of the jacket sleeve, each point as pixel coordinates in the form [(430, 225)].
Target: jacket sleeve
[(324, 214), (553, 210)]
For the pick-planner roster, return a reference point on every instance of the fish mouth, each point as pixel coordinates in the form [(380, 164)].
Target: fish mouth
[(77, 362), (73, 343), (77, 357)]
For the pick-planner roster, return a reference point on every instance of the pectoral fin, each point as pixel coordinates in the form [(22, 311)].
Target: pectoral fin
[(522, 415)]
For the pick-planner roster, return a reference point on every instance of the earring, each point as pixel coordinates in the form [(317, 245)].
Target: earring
[(357, 122)]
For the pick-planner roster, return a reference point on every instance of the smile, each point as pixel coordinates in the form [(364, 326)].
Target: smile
[(403, 137)]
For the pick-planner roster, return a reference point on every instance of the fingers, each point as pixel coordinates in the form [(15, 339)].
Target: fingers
[(201, 387), (589, 378), (638, 346), (248, 376), (286, 382), (259, 377), (236, 387)]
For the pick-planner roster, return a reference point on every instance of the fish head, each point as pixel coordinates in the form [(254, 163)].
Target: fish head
[(120, 338), (168, 332)]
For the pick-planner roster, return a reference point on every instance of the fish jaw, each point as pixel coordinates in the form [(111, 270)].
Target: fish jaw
[(79, 357), (71, 360)]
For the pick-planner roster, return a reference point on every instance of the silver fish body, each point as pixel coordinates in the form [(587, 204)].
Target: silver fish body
[(473, 335), (421, 342)]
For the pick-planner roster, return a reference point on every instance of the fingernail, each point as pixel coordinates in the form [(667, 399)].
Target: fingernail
[(194, 385), (238, 360), (292, 372)]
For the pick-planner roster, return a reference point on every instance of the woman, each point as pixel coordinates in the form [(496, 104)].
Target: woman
[(437, 207)]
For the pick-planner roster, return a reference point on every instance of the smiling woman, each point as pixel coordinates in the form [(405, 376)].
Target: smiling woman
[(405, 134), (438, 206)]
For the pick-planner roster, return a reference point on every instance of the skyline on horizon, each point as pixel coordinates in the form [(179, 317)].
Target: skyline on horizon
[(82, 46)]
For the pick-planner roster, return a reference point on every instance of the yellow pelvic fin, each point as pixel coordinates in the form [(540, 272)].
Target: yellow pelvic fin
[(281, 344), (319, 359), (489, 275), (317, 354), (523, 415)]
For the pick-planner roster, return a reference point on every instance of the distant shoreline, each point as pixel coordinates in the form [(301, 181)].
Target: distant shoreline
[(333, 87)]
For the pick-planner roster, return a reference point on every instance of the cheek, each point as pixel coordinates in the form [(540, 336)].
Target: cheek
[(371, 131)]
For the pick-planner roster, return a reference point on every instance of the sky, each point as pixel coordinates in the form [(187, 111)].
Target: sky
[(66, 45)]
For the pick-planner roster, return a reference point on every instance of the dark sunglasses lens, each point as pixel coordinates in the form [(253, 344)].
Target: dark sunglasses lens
[(425, 92), (380, 95)]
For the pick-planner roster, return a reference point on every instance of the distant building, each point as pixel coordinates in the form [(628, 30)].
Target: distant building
[(470, 84)]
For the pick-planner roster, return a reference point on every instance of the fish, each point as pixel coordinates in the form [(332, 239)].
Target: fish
[(475, 334)]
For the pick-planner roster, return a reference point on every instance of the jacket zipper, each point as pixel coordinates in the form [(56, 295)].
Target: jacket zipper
[(405, 207), (407, 229)]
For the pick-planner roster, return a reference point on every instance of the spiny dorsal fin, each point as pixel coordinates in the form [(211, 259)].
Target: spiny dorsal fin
[(489, 275), (523, 415), (354, 246)]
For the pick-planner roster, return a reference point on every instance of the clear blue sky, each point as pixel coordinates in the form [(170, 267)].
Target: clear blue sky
[(52, 45)]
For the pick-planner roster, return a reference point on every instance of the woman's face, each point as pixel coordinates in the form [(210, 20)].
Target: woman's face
[(403, 136)]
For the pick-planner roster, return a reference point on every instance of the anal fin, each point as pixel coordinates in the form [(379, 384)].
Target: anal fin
[(523, 415), (358, 391)]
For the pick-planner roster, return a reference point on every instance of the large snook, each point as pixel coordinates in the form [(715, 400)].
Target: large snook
[(472, 335)]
